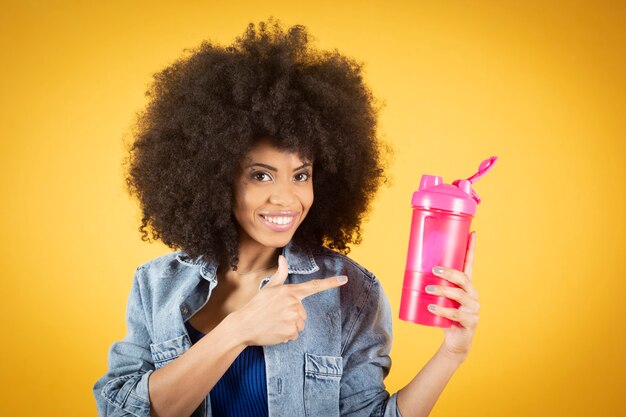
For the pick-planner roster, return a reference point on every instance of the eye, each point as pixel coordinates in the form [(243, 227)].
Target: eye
[(259, 176), (306, 176)]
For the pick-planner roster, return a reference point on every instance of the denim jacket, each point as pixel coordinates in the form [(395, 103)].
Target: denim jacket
[(336, 366)]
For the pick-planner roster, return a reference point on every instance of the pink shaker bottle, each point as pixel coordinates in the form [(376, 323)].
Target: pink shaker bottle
[(440, 227)]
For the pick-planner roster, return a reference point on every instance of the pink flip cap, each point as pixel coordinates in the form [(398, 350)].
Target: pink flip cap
[(457, 197)]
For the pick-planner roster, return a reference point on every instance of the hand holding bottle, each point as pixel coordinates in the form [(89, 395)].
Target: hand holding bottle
[(459, 336)]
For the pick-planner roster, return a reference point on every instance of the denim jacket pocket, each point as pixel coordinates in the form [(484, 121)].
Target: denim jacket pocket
[(165, 352), (322, 378)]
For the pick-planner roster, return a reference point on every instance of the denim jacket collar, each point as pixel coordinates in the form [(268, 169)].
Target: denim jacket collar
[(299, 261)]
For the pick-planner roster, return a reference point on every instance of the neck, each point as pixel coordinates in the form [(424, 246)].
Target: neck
[(253, 257)]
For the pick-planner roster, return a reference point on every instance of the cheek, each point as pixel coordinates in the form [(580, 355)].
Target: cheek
[(242, 203), (250, 201), (307, 198)]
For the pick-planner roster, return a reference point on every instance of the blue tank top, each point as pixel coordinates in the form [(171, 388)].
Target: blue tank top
[(242, 390)]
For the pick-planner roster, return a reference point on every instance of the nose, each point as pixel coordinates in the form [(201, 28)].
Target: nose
[(282, 195)]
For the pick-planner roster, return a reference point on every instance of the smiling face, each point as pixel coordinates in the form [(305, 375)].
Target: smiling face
[(273, 193)]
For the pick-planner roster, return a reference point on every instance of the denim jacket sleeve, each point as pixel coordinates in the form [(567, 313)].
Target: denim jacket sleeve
[(366, 358), (123, 390)]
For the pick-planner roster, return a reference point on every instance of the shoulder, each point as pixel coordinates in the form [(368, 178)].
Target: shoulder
[(362, 286), (169, 263), (167, 273), (330, 259), (160, 260), (365, 310)]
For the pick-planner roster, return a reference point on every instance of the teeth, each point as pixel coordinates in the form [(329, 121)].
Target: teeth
[(278, 220)]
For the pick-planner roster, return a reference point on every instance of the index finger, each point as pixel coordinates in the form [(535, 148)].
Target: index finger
[(469, 256), (314, 286)]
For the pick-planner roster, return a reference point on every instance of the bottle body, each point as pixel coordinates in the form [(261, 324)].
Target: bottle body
[(437, 237)]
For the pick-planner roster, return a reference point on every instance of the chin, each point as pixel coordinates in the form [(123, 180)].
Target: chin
[(273, 239), (277, 242)]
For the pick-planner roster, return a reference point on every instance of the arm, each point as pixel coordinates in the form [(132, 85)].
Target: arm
[(367, 363), (418, 397), (176, 389), (179, 388), (123, 390)]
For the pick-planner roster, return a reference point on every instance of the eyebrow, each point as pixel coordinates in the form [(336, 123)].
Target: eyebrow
[(275, 169)]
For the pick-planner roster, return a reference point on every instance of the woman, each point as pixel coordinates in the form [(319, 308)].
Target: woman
[(260, 311)]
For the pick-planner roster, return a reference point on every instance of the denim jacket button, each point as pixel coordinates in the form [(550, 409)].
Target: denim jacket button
[(184, 309)]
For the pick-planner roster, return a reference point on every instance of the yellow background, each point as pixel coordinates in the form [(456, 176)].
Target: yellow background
[(539, 84)]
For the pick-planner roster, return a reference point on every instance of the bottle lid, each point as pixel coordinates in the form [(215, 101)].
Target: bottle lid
[(457, 197)]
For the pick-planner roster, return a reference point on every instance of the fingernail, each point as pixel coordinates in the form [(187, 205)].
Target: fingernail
[(432, 307), (437, 270), (342, 278), (430, 288)]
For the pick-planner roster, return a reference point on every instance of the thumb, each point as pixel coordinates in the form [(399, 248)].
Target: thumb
[(279, 277)]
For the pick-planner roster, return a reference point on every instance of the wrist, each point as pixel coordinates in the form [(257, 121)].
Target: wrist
[(236, 330), (453, 357)]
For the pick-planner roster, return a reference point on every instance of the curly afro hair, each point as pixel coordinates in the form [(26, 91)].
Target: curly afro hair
[(207, 109)]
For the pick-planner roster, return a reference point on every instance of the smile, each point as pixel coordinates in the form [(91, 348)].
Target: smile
[(278, 223)]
